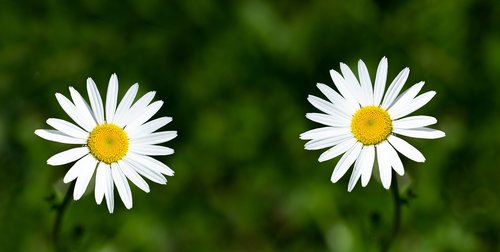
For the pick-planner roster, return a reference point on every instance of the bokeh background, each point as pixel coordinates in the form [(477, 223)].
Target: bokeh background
[(235, 76)]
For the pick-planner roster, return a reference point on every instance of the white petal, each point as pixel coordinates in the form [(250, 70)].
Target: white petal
[(356, 173), (413, 122), (151, 150), (352, 84), (137, 109), (424, 132), (95, 101), (100, 182), (121, 184), (67, 128), (337, 150), (395, 161), (380, 81), (125, 104), (326, 107), (406, 149), (149, 127), (84, 176), (384, 164), (72, 112), (145, 116), (341, 85), (321, 143), (82, 107), (346, 161), (77, 168), (367, 166), (329, 120), (111, 97), (146, 172), (395, 87), (155, 138), (336, 99), (405, 98), (366, 83), (56, 136), (151, 163), (109, 190), (417, 103), (133, 176), (324, 132), (68, 156)]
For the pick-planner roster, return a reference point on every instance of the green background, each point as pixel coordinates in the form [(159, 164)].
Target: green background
[(235, 75)]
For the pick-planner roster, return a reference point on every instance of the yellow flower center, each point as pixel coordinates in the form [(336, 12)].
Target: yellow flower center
[(371, 125), (108, 143)]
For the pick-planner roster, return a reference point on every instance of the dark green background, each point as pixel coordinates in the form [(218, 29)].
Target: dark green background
[(235, 76)]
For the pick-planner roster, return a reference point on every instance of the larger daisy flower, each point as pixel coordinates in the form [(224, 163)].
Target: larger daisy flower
[(115, 142), (363, 124)]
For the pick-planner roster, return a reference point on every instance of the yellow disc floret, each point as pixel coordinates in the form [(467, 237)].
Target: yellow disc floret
[(108, 143), (371, 125)]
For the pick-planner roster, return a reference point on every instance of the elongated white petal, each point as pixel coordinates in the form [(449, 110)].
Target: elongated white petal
[(367, 166), (380, 81), (151, 163), (337, 150), (406, 149), (321, 143), (72, 112), (67, 128), (111, 97), (144, 117), (346, 161), (384, 164), (68, 156), (146, 172), (100, 182), (395, 161), (149, 127), (56, 136), (109, 190), (336, 99), (329, 120), (95, 101), (395, 88), (352, 84), (324, 132), (84, 176), (155, 138), (356, 173), (326, 107), (121, 184), (413, 122), (84, 111), (341, 85), (133, 176), (77, 168), (151, 150), (137, 109), (413, 106), (366, 83), (405, 98), (125, 104), (423, 132)]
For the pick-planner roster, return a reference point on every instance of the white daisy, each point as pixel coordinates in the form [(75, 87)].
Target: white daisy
[(115, 142), (364, 123)]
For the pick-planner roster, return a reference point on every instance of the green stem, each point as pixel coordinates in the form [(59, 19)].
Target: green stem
[(61, 208), (396, 216)]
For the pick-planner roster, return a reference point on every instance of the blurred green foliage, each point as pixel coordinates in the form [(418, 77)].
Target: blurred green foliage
[(235, 76)]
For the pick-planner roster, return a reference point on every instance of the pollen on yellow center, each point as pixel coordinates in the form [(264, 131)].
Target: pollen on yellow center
[(108, 143), (371, 125)]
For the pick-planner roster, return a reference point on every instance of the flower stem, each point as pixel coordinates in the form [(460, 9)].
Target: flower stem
[(61, 208), (396, 216)]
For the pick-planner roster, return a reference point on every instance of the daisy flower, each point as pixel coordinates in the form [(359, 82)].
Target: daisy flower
[(364, 124), (115, 142)]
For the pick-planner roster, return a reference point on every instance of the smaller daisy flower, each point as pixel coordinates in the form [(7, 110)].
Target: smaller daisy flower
[(115, 142), (362, 123)]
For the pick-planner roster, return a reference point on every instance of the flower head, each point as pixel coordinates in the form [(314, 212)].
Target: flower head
[(362, 123), (116, 142)]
